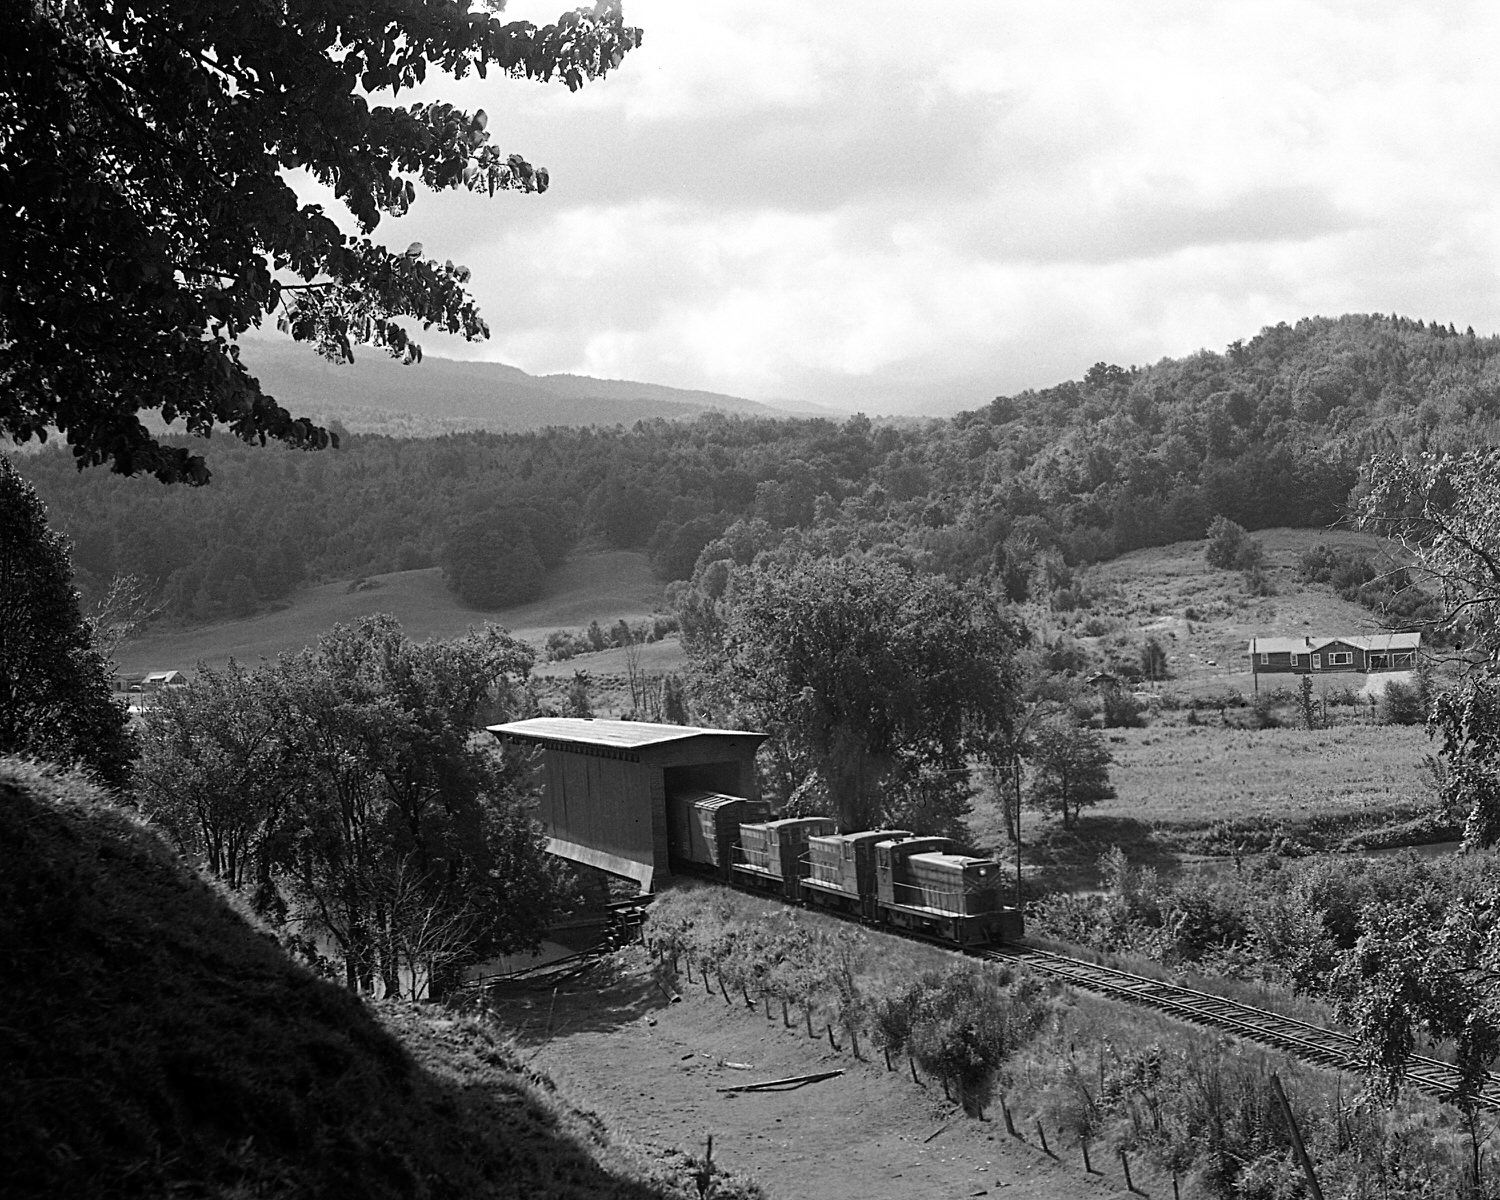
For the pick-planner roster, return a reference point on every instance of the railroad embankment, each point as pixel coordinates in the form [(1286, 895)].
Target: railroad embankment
[(157, 1042)]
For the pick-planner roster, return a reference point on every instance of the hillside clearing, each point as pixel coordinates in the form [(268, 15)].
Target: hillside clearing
[(605, 585), (1205, 618)]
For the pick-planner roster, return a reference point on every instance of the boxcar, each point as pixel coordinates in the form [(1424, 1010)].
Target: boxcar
[(704, 827)]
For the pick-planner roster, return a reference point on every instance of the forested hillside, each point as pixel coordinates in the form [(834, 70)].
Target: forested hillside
[(1270, 433)]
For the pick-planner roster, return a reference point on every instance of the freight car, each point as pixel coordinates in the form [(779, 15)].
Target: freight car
[(884, 876), (703, 828)]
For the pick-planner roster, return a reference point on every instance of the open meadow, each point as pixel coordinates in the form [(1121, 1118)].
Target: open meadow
[(1217, 786), (1187, 791)]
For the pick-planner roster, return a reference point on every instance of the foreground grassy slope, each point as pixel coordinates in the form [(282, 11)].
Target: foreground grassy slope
[(157, 1043), (604, 586)]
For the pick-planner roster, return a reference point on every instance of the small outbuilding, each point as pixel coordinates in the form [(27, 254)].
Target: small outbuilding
[(606, 783)]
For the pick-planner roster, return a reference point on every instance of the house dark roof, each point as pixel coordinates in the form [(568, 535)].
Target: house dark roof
[(1378, 642)]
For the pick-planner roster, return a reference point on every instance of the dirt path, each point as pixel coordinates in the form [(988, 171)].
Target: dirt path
[(653, 1070)]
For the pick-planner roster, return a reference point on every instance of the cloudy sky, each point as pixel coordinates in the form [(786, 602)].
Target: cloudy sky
[(916, 207)]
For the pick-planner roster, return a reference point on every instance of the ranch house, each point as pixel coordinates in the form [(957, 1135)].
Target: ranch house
[(1355, 652)]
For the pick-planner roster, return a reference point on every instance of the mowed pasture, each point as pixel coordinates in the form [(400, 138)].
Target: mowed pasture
[(606, 586), (1186, 779)]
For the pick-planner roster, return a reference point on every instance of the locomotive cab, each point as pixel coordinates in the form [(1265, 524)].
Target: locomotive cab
[(926, 887)]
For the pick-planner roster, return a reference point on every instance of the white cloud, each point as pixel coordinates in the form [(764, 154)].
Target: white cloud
[(862, 202)]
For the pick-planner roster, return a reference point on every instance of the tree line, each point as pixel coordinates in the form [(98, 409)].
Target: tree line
[(1271, 433)]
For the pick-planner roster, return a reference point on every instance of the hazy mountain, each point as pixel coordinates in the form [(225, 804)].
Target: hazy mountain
[(375, 394)]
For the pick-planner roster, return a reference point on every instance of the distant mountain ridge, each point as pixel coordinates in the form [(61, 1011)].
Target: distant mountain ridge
[(376, 394)]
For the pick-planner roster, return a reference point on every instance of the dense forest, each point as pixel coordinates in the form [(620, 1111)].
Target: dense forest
[(1270, 433)]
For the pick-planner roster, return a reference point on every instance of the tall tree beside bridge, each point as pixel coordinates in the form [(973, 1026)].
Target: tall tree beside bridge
[(345, 784), (55, 700), (148, 216), (882, 682)]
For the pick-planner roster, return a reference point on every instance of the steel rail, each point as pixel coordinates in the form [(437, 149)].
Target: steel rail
[(1318, 1044)]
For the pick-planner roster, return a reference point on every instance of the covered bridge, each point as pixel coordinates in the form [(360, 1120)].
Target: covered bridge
[(605, 784)]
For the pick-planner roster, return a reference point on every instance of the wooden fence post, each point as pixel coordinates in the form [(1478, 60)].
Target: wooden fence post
[(1125, 1166), (1302, 1155), (1010, 1125)]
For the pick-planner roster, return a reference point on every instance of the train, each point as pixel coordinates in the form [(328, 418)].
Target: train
[(885, 877)]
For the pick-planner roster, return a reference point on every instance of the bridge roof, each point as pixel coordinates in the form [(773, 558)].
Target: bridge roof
[(616, 735)]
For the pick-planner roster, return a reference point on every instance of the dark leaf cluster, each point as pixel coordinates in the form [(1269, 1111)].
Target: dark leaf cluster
[(147, 219)]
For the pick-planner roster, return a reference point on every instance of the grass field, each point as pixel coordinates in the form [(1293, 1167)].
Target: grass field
[(1185, 791), (603, 586), (1192, 778)]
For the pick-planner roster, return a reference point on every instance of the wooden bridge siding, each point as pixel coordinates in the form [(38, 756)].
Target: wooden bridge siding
[(609, 804)]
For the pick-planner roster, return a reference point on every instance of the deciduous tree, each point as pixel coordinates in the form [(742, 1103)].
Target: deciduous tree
[(1444, 509), (350, 774), (148, 217), (878, 679), (1070, 768), (1231, 548), (55, 698)]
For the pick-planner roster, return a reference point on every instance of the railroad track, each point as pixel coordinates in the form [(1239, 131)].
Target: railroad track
[(1318, 1044)]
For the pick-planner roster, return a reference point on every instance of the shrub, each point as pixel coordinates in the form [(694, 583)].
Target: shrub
[(961, 1030), (1257, 582), (1230, 548), (1402, 704), (1122, 710)]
